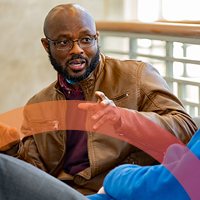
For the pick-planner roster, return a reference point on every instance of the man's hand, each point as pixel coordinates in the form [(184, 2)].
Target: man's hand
[(8, 137), (104, 110)]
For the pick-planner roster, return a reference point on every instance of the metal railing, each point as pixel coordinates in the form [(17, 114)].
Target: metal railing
[(174, 49)]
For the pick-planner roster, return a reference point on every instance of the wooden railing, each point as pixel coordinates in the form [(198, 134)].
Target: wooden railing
[(129, 35), (158, 28)]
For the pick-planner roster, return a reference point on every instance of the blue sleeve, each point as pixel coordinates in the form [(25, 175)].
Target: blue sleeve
[(99, 197), (135, 182), (129, 182), (156, 182)]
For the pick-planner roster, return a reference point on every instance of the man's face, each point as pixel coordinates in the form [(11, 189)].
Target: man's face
[(77, 63), (75, 75)]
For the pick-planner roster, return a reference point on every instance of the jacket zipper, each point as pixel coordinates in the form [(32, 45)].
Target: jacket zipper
[(120, 97)]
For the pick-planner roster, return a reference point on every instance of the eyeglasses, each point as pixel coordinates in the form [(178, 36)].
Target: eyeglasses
[(84, 42)]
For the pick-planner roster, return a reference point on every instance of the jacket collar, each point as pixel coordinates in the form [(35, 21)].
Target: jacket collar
[(88, 84)]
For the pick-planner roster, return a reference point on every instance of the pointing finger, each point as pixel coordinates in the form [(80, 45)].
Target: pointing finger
[(87, 106)]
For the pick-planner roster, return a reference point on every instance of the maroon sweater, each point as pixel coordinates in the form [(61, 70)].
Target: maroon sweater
[(77, 154)]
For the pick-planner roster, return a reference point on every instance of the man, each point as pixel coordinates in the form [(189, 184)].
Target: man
[(79, 158)]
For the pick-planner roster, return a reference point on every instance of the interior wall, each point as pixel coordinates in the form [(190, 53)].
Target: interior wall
[(24, 65)]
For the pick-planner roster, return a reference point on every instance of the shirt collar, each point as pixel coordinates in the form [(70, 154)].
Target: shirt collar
[(63, 83)]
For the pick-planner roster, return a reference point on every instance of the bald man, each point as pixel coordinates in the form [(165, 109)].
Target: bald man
[(58, 143)]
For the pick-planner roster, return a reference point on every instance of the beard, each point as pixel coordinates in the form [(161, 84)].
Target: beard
[(75, 78)]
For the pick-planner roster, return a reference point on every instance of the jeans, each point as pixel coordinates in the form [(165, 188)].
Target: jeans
[(22, 181)]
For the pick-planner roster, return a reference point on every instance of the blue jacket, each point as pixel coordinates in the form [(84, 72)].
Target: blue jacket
[(129, 182)]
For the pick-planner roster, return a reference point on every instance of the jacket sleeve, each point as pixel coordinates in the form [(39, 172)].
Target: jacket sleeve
[(28, 150), (157, 103)]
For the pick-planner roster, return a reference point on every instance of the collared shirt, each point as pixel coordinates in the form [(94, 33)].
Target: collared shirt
[(69, 92), (76, 158)]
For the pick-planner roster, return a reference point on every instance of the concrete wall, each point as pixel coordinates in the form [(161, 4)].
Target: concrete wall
[(24, 65)]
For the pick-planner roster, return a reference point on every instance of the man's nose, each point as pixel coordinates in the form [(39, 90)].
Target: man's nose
[(76, 49)]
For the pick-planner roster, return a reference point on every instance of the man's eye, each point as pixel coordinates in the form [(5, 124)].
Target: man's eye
[(64, 43), (86, 40)]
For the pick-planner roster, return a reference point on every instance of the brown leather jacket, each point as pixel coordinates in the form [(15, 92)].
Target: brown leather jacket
[(131, 84)]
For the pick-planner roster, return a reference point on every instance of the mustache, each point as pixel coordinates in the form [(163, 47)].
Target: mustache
[(74, 57)]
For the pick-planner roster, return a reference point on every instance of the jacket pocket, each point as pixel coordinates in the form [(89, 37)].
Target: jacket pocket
[(39, 126)]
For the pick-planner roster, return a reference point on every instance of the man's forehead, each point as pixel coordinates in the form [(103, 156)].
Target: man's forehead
[(81, 32)]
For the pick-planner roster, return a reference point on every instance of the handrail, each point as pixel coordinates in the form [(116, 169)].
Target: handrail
[(182, 21), (172, 29)]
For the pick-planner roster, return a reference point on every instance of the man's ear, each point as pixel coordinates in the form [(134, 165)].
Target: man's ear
[(97, 33), (45, 44)]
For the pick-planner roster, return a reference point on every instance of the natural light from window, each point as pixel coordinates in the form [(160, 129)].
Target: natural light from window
[(148, 10), (186, 64), (170, 10), (177, 10)]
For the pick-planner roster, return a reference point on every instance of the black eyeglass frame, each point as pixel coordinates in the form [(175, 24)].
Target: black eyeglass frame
[(94, 37)]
